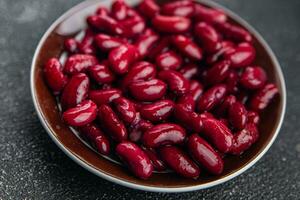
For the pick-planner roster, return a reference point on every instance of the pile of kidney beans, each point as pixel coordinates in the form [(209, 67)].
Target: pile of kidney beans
[(163, 86)]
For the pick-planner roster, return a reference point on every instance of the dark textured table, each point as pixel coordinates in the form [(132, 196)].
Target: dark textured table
[(33, 167)]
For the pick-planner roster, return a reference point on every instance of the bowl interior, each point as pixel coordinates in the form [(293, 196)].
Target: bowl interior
[(52, 45)]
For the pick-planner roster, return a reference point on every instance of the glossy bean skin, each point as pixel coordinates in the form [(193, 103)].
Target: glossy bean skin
[(183, 8), (168, 60), (101, 74), (134, 26), (149, 8), (121, 57), (138, 127), (75, 91), (234, 32), (102, 11), (125, 109), (222, 109), (176, 82), (105, 23), (262, 98), (148, 90), (171, 24), (212, 97), (186, 46), (187, 101), (106, 42), (84, 113), (157, 163), (97, 138), (218, 72), (157, 111), (163, 134), (209, 15), (205, 155), (71, 45), (177, 160), (232, 81), (86, 45), (226, 48), (54, 76), (104, 96), (218, 134), (135, 158), (196, 89), (189, 71), (244, 139), (237, 114), (112, 124), (79, 63), (187, 118), (161, 46), (208, 36), (243, 55), (145, 43), (119, 10), (139, 71), (253, 117), (253, 78)]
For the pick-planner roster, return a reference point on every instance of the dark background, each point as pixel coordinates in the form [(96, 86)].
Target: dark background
[(33, 167)]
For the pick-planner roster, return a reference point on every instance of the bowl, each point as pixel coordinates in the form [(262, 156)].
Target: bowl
[(70, 24)]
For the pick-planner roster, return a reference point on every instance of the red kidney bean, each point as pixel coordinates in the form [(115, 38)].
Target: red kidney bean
[(189, 71), (55, 79), (71, 45), (222, 109), (139, 71), (206, 115), (105, 23), (79, 63), (209, 15), (163, 134), (148, 90), (135, 158), (232, 81), (138, 127), (104, 96), (102, 11), (171, 24), (244, 139), (148, 8), (157, 163), (168, 60), (225, 122), (112, 124), (205, 155), (226, 48), (187, 47), (101, 74), (160, 46), (176, 159), (125, 109), (119, 10), (237, 114), (157, 111), (107, 42), (75, 91), (218, 134), (86, 46), (190, 120), (133, 26), (184, 8), (96, 137), (218, 72), (243, 55), (208, 36), (212, 97), (144, 43), (196, 89), (121, 58), (187, 101), (84, 113), (234, 32), (253, 78), (253, 117), (176, 82), (262, 98)]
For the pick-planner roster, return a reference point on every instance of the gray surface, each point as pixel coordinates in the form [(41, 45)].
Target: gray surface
[(32, 167)]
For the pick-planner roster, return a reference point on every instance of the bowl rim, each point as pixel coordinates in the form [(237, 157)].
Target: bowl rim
[(154, 188)]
